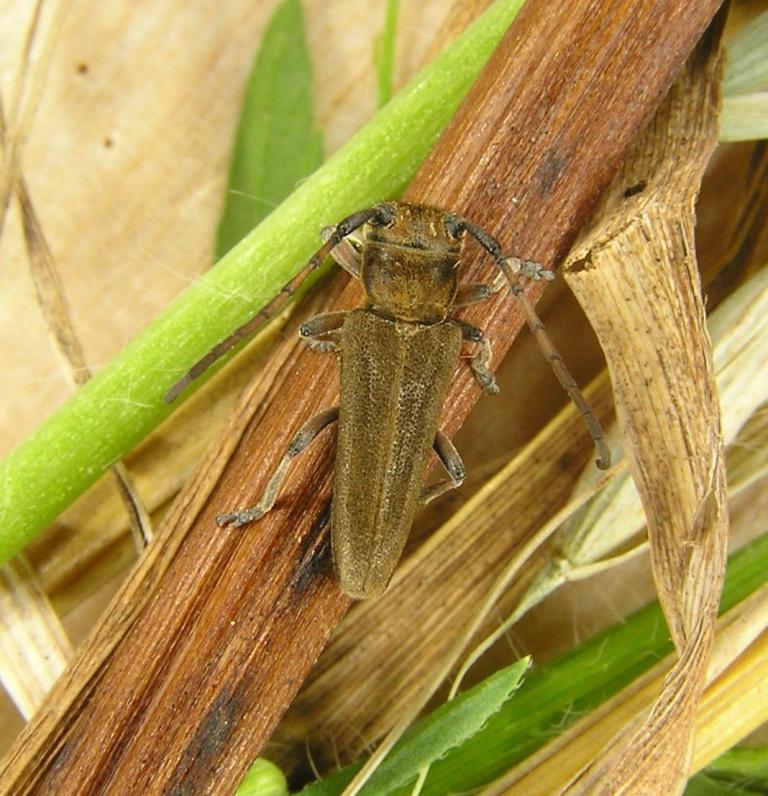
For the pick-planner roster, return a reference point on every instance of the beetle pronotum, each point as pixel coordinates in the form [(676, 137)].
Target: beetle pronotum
[(398, 353)]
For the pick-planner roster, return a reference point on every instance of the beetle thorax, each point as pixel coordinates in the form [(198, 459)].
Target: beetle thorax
[(407, 283)]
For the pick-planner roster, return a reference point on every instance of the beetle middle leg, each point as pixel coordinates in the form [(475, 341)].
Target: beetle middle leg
[(299, 443), (482, 359), (322, 332), (454, 466)]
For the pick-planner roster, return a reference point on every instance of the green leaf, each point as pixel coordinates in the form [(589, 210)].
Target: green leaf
[(384, 53), (704, 785), (277, 144), (124, 402), (263, 779), (741, 771), (426, 742), (557, 694)]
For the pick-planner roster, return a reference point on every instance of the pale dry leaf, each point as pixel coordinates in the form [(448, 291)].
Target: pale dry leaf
[(28, 86), (35, 648), (635, 274), (589, 541)]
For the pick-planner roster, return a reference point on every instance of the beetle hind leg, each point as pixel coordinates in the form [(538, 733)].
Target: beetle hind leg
[(301, 440), (454, 466)]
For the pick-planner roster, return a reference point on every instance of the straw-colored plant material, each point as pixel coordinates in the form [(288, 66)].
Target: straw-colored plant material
[(34, 648), (635, 274), (745, 90), (45, 24), (615, 516), (29, 609)]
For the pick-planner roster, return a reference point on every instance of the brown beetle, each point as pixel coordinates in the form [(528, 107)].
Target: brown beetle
[(398, 353)]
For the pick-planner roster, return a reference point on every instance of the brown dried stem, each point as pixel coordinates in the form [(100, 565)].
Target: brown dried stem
[(209, 639)]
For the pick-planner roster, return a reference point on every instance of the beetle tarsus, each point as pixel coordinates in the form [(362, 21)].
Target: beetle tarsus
[(236, 519)]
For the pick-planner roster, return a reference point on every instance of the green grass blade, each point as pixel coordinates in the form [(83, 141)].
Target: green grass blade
[(384, 53), (430, 739), (557, 694), (263, 779), (739, 771), (277, 144), (123, 402)]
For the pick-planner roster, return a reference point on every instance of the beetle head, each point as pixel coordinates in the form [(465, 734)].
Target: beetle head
[(409, 266)]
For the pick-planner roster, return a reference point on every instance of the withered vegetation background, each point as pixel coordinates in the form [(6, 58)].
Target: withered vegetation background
[(125, 146)]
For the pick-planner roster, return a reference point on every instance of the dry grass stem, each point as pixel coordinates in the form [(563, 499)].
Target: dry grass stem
[(34, 648), (635, 274), (27, 88)]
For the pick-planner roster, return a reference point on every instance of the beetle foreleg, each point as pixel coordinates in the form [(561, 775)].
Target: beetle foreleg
[(300, 442), (482, 359), (380, 215), (451, 460), (323, 331)]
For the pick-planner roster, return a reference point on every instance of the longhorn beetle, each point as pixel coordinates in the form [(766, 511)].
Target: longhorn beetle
[(398, 353)]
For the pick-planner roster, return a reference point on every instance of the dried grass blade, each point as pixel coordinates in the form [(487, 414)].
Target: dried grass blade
[(635, 274), (28, 87), (740, 349), (35, 648)]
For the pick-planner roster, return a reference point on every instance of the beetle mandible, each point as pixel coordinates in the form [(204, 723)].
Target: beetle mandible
[(398, 353)]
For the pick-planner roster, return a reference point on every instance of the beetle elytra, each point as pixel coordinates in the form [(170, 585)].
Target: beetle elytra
[(398, 353)]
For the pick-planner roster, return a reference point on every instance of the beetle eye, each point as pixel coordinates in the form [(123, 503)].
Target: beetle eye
[(454, 227)]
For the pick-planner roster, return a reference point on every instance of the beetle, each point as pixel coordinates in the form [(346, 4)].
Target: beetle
[(398, 353)]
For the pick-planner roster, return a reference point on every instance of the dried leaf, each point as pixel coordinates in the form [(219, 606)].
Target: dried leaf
[(35, 648), (635, 274)]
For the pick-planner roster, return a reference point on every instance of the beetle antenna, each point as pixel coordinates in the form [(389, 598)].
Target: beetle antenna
[(380, 215), (544, 341)]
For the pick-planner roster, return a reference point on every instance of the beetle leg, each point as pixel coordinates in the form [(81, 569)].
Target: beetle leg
[(512, 268), (323, 331), (474, 292), (300, 441), (380, 215), (451, 460), (482, 359)]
